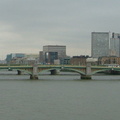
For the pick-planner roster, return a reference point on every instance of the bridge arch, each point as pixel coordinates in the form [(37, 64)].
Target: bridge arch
[(74, 70), (47, 69), (25, 71), (66, 69), (103, 70)]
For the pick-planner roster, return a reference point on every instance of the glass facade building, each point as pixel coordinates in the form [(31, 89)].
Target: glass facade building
[(50, 57), (115, 45), (13, 56)]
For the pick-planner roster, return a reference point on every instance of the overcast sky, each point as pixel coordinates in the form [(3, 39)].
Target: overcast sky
[(27, 25)]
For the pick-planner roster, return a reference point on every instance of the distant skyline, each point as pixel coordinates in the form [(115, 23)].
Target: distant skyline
[(27, 25)]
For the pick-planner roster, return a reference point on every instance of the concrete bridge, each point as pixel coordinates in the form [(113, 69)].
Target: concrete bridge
[(85, 72)]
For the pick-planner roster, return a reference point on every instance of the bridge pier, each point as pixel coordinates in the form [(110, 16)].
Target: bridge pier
[(34, 75), (86, 77), (55, 72), (88, 71), (19, 72)]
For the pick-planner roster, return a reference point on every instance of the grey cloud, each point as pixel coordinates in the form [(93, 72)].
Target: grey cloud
[(34, 23)]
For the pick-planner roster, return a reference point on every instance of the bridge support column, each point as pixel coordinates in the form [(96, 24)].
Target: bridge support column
[(34, 74), (55, 72), (86, 77), (88, 71), (88, 68), (19, 72), (33, 77)]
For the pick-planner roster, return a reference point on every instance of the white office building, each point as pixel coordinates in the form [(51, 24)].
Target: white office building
[(99, 44)]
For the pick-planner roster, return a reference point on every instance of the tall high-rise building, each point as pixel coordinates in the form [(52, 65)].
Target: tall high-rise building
[(115, 45), (99, 44)]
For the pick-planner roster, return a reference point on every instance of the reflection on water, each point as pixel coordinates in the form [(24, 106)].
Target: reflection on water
[(60, 97)]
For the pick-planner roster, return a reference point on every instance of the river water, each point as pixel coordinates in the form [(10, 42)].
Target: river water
[(59, 97)]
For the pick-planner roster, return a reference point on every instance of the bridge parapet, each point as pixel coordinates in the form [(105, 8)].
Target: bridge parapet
[(85, 71)]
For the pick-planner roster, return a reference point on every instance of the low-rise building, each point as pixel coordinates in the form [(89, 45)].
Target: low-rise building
[(79, 60), (22, 59), (10, 58), (108, 60)]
